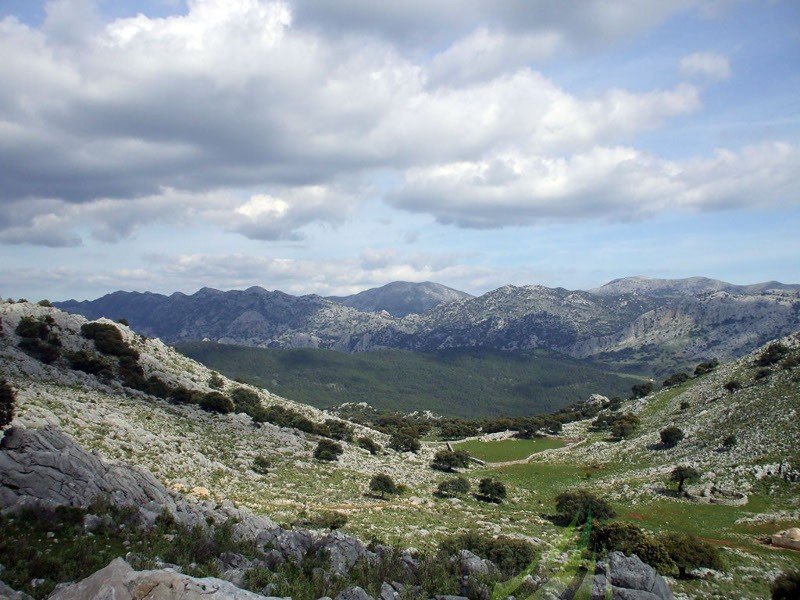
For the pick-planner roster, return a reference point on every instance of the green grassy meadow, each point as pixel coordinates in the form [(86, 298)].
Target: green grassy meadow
[(504, 450)]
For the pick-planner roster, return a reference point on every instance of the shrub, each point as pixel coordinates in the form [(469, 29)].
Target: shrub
[(403, 442), (248, 402), (456, 486), (511, 555), (42, 351), (675, 379), (786, 586), (8, 399), (457, 428), (685, 405), (215, 382), (683, 474), (580, 504), (181, 395), (706, 367), (339, 430), (217, 403), (327, 519), (624, 426), (262, 464), (328, 451), (688, 552), (491, 490), (368, 444), (45, 303), (85, 362), (772, 354), (31, 328), (762, 374), (155, 386), (732, 385), (791, 362), (131, 372), (108, 339), (729, 442), (630, 539), (382, 484), (640, 390), (671, 436), (448, 460)]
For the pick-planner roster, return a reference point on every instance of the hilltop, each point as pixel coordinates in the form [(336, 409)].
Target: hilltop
[(215, 455), (639, 325), (401, 298)]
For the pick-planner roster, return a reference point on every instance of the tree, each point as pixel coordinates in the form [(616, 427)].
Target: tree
[(368, 444), (328, 451), (579, 504), (630, 539), (624, 426), (8, 399), (786, 586), (216, 403), (403, 442), (455, 486), (492, 490), (675, 379), (772, 354), (732, 385), (671, 436), (706, 367), (339, 430), (246, 401), (448, 460), (683, 474), (382, 484), (640, 390), (688, 552)]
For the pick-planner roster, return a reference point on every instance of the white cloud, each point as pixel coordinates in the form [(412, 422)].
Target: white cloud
[(708, 65), (613, 183)]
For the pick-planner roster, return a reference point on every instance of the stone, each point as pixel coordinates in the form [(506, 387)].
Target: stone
[(472, 564), (6, 593), (629, 579), (354, 593), (388, 592), (120, 582)]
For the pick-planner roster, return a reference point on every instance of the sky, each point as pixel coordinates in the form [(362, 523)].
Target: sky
[(329, 147)]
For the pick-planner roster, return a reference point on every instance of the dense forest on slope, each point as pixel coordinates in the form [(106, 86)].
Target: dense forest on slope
[(464, 383)]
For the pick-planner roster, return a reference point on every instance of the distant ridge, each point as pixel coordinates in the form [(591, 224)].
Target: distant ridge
[(401, 298), (639, 284)]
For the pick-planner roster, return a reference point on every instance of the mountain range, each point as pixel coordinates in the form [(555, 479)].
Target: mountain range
[(637, 323)]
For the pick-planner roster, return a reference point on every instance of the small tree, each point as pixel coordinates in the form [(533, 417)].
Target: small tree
[(215, 382), (456, 486), (328, 451), (579, 504), (403, 442), (683, 474), (492, 490), (772, 354), (624, 426), (786, 586), (447, 460), (382, 484), (7, 400), (216, 403), (640, 390), (671, 436), (675, 379), (706, 367), (688, 552), (339, 430), (732, 385), (368, 444)]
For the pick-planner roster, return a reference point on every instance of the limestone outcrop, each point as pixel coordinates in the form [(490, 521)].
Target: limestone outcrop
[(628, 578)]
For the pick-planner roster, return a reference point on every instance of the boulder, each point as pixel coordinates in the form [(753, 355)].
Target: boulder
[(354, 593), (119, 581), (6, 593), (472, 564), (343, 551), (628, 578)]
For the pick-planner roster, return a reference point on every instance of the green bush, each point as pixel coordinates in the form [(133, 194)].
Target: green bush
[(262, 464), (42, 351), (491, 490), (215, 381), (791, 362), (155, 386), (786, 586), (449, 460), (683, 474), (217, 403), (772, 354), (685, 405), (579, 505), (368, 444), (675, 379), (131, 373), (85, 362), (382, 484), (404, 442), (8, 400), (32, 328), (245, 400), (328, 451), (689, 552), (108, 340), (510, 555), (453, 429), (326, 519), (630, 539), (339, 430), (640, 390), (732, 385), (181, 395), (624, 426), (671, 436), (455, 486), (706, 367), (729, 442)]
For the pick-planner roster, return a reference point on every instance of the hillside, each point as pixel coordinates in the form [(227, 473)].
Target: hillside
[(401, 298), (190, 449), (461, 383), (635, 325)]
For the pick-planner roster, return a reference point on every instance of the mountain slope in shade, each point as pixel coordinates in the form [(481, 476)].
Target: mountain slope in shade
[(401, 298)]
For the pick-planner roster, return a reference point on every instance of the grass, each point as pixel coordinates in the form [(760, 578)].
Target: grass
[(461, 383), (506, 450)]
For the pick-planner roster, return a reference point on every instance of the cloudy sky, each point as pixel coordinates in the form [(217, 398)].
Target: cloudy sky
[(327, 147)]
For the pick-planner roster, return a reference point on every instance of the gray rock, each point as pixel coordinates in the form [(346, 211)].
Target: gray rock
[(344, 551), (120, 582), (629, 579), (92, 523), (472, 565), (451, 598), (6, 593), (388, 592), (354, 593)]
